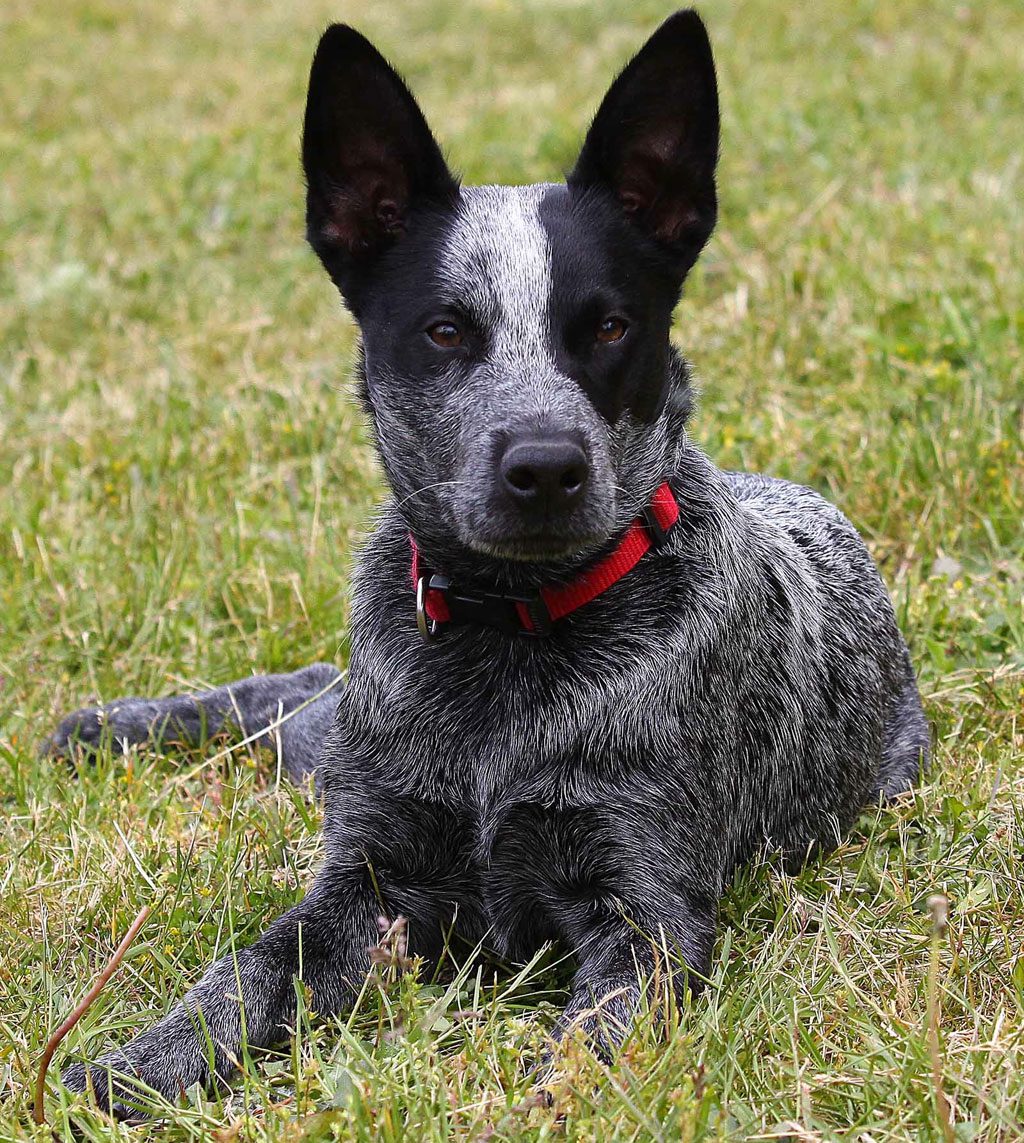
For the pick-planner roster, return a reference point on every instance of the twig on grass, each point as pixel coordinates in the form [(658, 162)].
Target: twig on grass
[(81, 1008), (938, 906)]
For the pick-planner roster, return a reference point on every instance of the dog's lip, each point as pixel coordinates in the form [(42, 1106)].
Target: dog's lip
[(535, 548)]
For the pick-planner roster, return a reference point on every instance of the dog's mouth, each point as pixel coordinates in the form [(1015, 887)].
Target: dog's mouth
[(539, 547)]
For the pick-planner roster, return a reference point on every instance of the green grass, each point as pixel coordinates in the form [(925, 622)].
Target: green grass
[(185, 478)]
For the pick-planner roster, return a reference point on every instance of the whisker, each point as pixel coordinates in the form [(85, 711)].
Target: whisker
[(636, 505), (428, 488)]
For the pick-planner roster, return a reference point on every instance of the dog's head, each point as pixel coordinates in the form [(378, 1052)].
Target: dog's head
[(516, 359)]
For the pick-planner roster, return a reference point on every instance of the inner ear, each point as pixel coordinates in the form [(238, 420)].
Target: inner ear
[(367, 198), (368, 154), (657, 191), (654, 141)]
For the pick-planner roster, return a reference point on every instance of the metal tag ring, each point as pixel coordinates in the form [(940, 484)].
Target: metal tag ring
[(426, 625)]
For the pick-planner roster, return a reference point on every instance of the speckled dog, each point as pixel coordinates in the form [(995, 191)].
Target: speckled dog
[(590, 673)]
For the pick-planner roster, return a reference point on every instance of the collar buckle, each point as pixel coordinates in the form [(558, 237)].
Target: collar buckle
[(492, 609)]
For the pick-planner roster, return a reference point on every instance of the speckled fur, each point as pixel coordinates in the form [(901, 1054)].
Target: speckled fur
[(744, 688)]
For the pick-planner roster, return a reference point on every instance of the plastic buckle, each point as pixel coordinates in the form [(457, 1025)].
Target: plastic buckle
[(489, 609)]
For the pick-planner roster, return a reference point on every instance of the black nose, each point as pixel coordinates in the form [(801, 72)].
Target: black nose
[(544, 471)]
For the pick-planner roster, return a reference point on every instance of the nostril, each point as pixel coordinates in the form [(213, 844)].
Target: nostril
[(522, 478), (572, 479)]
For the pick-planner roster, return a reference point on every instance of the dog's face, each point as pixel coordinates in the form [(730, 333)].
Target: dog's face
[(516, 356)]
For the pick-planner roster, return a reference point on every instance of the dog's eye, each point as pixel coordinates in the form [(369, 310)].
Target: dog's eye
[(445, 334), (611, 329)]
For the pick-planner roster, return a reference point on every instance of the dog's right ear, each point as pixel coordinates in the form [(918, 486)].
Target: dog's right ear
[(367, 152)]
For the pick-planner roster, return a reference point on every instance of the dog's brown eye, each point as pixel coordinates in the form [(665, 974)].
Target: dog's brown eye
[(611, 329), (445, 334)]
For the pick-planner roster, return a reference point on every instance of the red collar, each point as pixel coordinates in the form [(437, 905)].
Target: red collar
[(439, 602)]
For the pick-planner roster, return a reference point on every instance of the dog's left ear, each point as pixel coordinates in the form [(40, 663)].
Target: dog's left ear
[(654, 141)]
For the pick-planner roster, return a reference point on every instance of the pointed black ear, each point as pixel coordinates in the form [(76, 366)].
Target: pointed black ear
[(654, 141), (367, 152)]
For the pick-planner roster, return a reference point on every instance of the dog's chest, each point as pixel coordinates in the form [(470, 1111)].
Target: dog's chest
[(500, 732), (511, 756)]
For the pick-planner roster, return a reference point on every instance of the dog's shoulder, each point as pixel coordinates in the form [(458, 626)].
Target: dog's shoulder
[(787, 504), (805, 552), (800, 517)]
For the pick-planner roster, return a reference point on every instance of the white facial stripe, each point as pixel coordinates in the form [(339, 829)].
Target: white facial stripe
[(498, 258)]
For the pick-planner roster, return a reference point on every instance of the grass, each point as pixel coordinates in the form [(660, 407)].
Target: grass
[(186, 478)]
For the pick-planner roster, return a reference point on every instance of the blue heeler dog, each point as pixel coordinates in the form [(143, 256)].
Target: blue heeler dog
[(591, 673)]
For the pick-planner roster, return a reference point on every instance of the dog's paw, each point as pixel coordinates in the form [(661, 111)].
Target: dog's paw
[(81, 732), (110, 1093), (601, 1018), (126, 722)]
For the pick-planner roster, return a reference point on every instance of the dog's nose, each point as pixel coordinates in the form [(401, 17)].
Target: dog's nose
[(545, 471)]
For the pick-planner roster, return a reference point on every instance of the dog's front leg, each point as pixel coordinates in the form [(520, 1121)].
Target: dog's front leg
[(632, 959), (245, 999), (292, 712)]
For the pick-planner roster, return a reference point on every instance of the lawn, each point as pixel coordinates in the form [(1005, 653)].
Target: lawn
[(186, 478)]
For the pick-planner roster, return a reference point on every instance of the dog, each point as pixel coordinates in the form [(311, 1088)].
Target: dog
[(591, 674)]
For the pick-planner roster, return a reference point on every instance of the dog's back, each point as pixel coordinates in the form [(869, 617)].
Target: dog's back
[(854, 613)]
